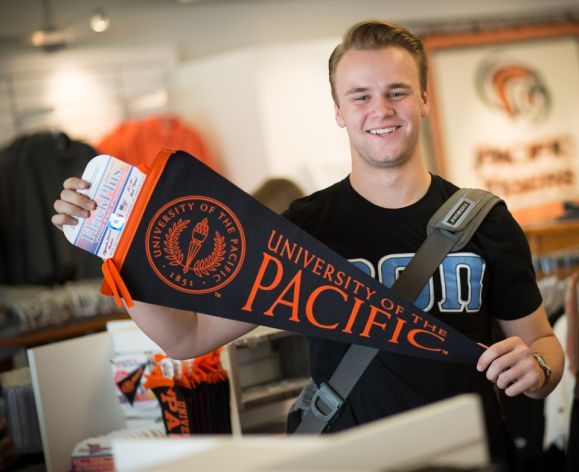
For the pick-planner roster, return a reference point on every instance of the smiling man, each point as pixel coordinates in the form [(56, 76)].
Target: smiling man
[(376, 217), (380, 98)]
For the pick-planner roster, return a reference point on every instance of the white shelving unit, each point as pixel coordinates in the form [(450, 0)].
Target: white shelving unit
[(268, 368)]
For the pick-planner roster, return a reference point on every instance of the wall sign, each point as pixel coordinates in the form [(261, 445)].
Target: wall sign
[(505, 114)]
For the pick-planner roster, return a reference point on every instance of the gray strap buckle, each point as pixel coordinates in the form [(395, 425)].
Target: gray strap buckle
[(330, 399)]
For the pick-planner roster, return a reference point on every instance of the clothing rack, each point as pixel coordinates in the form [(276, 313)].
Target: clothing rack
[(555, 247), (560, 263)]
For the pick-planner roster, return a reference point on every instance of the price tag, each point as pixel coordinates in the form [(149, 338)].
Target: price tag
[(114, 187)]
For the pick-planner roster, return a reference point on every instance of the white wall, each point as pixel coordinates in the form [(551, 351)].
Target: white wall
[(219, 96), (266, 112), (84, 94), (235, 80), (303, 140)]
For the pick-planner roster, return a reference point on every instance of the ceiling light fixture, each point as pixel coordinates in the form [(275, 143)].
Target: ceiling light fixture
[(99, 21)]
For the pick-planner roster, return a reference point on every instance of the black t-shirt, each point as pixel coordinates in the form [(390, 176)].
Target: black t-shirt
[(491, 277)]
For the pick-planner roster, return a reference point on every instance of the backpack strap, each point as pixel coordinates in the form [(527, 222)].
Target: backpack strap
[(460, 216), (449, 229)]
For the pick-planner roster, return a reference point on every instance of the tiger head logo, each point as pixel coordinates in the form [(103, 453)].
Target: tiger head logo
[(514, 88)]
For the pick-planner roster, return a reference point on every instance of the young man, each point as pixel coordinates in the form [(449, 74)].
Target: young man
[(377, 218)]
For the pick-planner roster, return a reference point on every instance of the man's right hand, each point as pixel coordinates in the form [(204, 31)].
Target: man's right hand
[(182, 334), (72, 204)]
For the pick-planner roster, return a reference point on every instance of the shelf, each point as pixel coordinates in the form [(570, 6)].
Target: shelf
[(551, 237), (59, 332), (260, 334), (272, 392), (275, 367), (259, 419)]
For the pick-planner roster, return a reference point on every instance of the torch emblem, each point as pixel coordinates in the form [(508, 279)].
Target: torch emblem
[(198, 237)]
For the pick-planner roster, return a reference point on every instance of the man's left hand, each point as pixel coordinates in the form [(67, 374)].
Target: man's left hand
[(510, 365)]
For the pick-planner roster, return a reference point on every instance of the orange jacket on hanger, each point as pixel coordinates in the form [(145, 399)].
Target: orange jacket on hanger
[(139, 141)]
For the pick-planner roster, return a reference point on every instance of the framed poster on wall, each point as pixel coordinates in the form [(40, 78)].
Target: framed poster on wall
[(505, 114)]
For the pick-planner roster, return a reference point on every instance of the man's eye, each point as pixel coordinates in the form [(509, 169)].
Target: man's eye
[(397, 95), (361, 98)]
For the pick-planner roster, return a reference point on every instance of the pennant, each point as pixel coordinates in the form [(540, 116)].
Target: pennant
[(195, 241), (174, 408), (130, 384)]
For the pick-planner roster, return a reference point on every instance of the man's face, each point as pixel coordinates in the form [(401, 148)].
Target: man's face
[(380, 105)]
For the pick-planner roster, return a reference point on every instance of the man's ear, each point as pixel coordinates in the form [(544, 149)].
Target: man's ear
[(425, 107), (339, 117)]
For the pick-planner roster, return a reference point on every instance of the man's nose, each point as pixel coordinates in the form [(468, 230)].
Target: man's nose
[(383, 107)]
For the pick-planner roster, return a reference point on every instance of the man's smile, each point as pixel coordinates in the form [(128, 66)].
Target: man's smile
[(382, 131)]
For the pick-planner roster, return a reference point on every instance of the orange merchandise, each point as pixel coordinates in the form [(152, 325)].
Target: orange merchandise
[(137, 142)]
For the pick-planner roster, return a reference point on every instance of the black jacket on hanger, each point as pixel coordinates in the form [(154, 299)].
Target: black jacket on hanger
[(32, 250)]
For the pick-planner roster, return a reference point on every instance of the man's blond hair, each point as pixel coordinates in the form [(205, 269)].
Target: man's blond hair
[(369, 35)]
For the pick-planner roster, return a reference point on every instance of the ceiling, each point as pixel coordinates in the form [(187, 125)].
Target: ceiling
[(198, 28)]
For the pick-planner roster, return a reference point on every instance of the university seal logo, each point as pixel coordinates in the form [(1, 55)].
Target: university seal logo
[(195, 244)]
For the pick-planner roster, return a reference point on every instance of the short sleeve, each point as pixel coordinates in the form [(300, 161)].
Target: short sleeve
[(513, 287)]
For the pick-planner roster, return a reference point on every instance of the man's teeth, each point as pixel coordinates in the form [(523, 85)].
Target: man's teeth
[(383, 131)]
